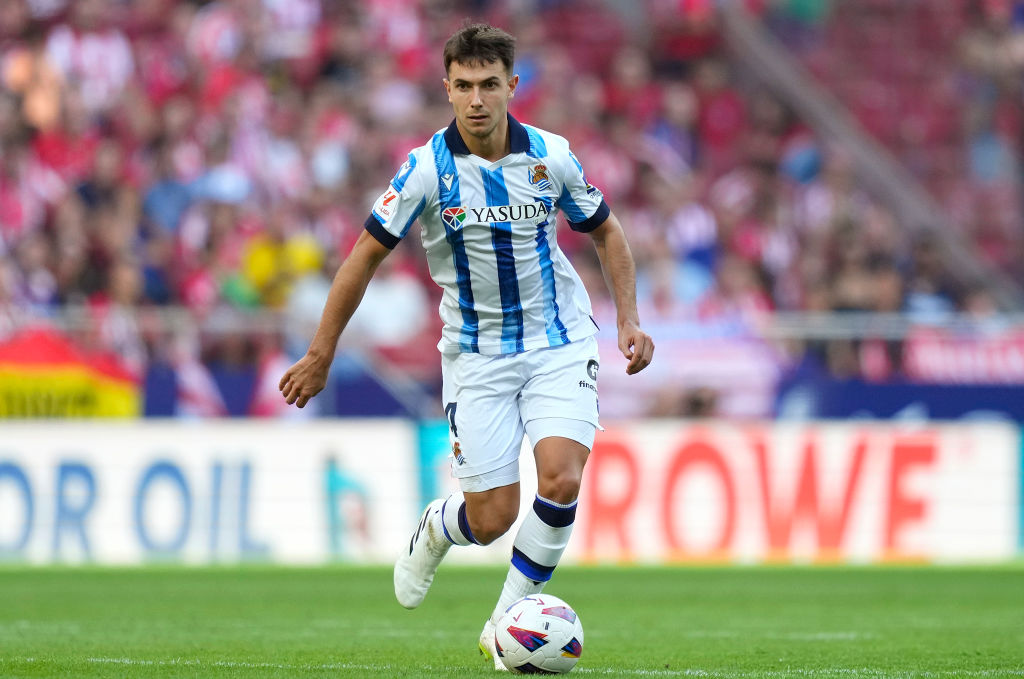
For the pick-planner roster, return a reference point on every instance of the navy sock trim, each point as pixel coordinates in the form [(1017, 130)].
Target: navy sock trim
[(444, 527), (531, 568), (464, 525), (556, 517)]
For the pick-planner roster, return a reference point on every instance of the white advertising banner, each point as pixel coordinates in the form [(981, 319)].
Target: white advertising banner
[(655, 492), (801, 492), (206, 492)]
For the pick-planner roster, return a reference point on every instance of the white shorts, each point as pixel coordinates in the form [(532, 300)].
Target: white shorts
[(491, 402)]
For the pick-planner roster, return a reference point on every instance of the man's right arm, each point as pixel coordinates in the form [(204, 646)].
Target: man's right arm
[(308, 376)]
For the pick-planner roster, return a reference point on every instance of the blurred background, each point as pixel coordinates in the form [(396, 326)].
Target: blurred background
[(823, 198)]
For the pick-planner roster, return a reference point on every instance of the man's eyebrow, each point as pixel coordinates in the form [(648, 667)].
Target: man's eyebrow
[(463, 81)]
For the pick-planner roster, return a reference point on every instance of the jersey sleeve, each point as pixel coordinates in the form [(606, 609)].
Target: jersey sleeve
[(399, 206), (582, 202)]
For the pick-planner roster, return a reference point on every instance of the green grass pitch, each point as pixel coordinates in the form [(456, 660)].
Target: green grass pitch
[(835, 622)]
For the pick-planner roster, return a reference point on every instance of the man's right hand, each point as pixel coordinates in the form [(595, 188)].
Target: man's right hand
[(304, 380)]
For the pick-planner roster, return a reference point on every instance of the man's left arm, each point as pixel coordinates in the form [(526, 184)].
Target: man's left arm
[(620, 275)]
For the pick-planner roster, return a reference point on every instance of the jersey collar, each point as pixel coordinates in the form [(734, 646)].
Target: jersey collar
[(519, 140)]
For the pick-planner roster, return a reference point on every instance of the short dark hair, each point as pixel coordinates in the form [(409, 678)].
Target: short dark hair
[(478, 44)]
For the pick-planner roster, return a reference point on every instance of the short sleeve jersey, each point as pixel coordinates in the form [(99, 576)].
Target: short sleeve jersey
[(488, 229)]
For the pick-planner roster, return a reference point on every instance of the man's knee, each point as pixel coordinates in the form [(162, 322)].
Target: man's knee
[(490, 522), (560, 463), (491, 513), (562, 487)]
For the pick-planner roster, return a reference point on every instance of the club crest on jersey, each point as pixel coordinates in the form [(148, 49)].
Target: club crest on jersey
[(454, 217), (539, 177)]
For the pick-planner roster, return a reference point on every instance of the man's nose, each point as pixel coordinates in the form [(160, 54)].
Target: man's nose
[(477, 100)]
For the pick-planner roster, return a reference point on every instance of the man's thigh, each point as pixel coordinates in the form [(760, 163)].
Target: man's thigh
[(562, 387), (480, 396)]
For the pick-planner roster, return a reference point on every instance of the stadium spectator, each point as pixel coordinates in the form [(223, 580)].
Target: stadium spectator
[(166, 135), (29, 72), (92, 55)]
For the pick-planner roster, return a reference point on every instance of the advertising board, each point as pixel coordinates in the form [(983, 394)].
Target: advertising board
[(313, 492)]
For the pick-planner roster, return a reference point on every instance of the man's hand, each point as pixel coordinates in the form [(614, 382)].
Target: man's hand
[(304, 380), (637, 346)]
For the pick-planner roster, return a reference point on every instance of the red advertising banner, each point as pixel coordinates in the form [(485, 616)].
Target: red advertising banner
[(942, 356)]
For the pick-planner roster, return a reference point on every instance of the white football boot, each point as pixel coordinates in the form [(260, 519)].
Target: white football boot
[(415, 568), (487, 647)]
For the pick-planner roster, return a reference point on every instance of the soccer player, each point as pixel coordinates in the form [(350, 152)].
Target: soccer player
[(518, 353)]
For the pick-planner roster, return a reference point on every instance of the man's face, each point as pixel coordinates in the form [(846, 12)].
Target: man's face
[(479, 93)]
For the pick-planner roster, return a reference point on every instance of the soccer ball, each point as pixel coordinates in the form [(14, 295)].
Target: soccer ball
[(539, 634)]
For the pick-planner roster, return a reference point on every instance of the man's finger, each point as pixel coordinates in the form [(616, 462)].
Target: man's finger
[(634, 359), (631, 367), (636, 365), (642, 354)]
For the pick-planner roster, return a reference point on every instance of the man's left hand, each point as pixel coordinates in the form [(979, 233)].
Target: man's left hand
[(637, 346)]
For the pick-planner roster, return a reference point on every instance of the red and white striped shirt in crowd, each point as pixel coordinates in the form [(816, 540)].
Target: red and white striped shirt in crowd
[(97, 63)]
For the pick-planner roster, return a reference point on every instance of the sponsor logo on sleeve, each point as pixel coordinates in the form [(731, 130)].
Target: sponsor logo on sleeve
[(384, 207)]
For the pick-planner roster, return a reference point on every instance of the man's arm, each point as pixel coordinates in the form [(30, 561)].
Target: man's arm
[(620, 274), (308, 376)]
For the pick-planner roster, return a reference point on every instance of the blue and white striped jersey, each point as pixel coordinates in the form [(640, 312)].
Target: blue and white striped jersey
[(489, 234)]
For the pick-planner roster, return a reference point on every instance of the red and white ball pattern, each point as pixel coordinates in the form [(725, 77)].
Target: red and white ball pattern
[(539, 634)]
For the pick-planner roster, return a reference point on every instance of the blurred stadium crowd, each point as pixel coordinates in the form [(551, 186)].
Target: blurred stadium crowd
[(222, 156)]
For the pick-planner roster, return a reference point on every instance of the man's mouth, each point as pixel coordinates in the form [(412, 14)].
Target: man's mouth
[(477, 117)]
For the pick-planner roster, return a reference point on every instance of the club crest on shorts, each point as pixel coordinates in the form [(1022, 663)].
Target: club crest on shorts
[(454, 217), (457, 453), (539, 177)]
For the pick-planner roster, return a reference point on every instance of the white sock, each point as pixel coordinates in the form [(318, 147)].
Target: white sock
[(538, 546), (516, 587), (454, 521)]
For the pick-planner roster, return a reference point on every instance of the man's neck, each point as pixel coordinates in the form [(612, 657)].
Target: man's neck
[(494, 147)]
